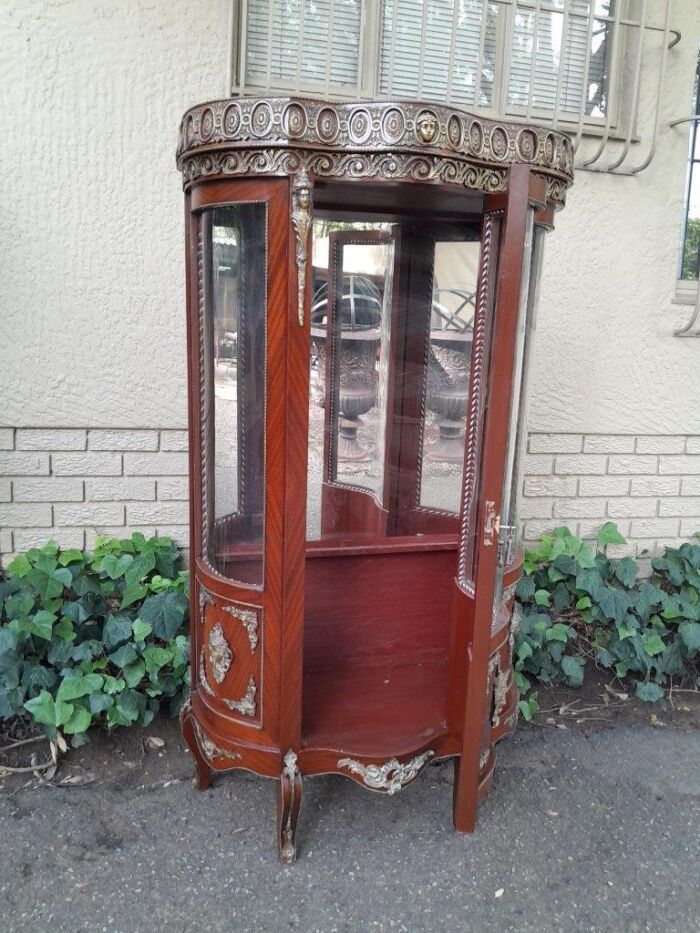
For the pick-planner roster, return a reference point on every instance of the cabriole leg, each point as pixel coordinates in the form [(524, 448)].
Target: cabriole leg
[(203, 779), (288, 806)]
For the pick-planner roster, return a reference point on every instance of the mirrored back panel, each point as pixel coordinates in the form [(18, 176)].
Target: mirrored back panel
[(392, 314)]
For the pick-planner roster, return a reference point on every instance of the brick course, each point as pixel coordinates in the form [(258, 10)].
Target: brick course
[(649, 485), (73, 484)]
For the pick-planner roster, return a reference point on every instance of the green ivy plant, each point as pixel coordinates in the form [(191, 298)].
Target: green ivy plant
[(580, 605), (92, 637)]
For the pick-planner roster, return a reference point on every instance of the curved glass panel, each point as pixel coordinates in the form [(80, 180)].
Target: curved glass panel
[(233, 272), (478, 399), (455, 274), (517, 436)]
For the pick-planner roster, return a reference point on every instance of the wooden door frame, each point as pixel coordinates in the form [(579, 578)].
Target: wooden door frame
[(281, 638), (525, 193)]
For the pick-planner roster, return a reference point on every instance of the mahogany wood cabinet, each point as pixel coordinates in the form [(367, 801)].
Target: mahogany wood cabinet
[(361, 280)]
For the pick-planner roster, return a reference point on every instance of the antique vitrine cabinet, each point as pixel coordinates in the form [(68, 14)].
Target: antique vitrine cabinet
[(360, 287)]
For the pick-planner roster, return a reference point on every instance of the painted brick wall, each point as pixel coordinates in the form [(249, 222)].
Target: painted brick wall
[(72, 485), (648, 485)]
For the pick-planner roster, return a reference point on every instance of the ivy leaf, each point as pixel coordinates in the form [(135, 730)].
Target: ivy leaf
[(99, 702), (609, 534), (87, 650), (47, 578), (690, 633), (72, 688), (117, 630), (59, 652), (70, 556), (46, 711), (140, 567), (613, 602), (584, 603), (133, 592), (653, 644), (42, 623), (590, 581), (128, 705), (123, 656), (20, 566), (165, 612), (528, 707), (648, 691), (65, 630), (542, 597), (37, 676), (113, 685), (114, 566), (141, 630), (79, 721), (672, 609), (572, 668), (558, 632), (156, 657), (133, 673), (525, 589), (626, 571), (523, 651), (42, 708)]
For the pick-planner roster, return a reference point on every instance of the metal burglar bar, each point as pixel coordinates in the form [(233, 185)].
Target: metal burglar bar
[(577, 65)]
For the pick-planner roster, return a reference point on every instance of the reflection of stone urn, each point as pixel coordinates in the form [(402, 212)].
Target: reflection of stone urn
[(448, 378), (360, 335)]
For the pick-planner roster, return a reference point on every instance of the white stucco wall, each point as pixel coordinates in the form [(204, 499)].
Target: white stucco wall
[(606, 359), (92, 285), (92, 324)]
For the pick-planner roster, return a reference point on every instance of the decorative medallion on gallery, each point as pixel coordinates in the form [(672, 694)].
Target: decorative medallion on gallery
[(360, 280)]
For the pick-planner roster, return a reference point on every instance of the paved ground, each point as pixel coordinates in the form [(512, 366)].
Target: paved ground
[(581, 833)]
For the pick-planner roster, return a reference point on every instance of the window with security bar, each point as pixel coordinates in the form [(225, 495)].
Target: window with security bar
[(558, 60), (690, 253)]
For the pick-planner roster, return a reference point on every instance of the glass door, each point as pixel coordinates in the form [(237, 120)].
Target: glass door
[(238, 333), (486, 519), (392, 314)]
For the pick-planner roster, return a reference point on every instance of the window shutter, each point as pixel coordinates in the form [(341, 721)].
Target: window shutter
[(562, 45), (428, 25), (311, 45)]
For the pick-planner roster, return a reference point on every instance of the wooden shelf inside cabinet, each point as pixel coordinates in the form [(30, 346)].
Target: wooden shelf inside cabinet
[(377, 711), (360, 278)]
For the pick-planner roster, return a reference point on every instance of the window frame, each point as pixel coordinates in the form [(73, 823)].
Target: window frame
[(367, 84), (687, 288)]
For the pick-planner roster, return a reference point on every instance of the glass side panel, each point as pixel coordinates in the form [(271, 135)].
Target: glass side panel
[(480, 357), (517, 437), (455, 273), (233, 308)]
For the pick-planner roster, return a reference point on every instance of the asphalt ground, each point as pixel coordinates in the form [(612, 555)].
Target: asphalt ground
[(583, 831)]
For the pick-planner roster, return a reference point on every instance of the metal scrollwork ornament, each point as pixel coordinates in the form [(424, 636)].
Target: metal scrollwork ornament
[(246, 706), (211, 750), (249, 620), (391, 776)]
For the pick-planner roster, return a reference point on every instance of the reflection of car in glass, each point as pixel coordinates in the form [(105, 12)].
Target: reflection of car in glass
[(360, 335)]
